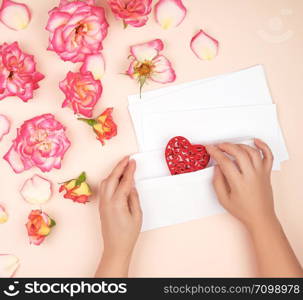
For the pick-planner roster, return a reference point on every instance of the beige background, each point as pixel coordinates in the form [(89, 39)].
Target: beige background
[(250, 32)]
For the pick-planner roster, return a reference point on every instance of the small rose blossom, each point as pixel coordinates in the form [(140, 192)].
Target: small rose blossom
[(18, 75), (104, 126), (82, 92), (39, 226), (77, 29), (147, 64), (40, 142), (77, 189), (131, 12)]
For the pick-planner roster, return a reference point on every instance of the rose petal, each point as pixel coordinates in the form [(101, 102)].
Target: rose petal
[(146, 51), (4, 126), (170, 13), (8, 265), (15, 15), (163, 71), (94, 63), (36, 190), (3, 215), (204, 46), (13, 158)]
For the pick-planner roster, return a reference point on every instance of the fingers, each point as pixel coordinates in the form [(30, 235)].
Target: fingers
[(134, 203), (221, 186), (241, 156), (109, 185), (255, 155), (227, 166), (267, 154), (127, 182)]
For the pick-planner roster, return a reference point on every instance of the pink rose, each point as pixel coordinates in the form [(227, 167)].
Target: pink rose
[(132, 12), (76, 29), (18, 75), (82, 92), (40, 142), (148, 64)]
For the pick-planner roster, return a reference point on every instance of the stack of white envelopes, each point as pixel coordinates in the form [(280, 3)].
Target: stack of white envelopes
[(233, 107)]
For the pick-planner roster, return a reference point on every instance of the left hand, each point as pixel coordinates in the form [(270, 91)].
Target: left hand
[(120, 212)]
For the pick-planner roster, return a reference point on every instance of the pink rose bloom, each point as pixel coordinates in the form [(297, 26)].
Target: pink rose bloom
[(76, 29), (82, 92), (40, 142), (148, 64), (132, 12), (18, 75)]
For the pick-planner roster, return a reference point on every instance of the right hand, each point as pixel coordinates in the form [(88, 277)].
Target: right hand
[(243, 186)]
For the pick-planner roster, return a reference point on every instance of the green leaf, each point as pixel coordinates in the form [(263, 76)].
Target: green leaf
[(142, 80), (53, 223), (90, 122), (81, 178)]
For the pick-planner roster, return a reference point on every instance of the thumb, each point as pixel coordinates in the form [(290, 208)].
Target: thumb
[(221, 187)]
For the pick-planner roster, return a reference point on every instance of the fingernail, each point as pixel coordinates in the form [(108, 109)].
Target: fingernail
[(256, 140)]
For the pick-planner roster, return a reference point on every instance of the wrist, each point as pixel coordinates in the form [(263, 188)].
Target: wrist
[(262, 223), (116, 257)]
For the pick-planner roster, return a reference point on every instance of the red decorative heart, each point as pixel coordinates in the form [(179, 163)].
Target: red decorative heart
[(183, 157)]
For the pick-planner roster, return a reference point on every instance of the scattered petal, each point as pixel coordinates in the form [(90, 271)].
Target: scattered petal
[(163, 71), (36, 190), (3, 215), (8, 265), (146, 51), (204, 46), (94, 63), (170, 13), (4, 126), (15, 15)]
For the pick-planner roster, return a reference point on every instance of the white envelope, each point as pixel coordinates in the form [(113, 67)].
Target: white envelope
[(152, 164), (208, 125), (177, 199), (246, 87)]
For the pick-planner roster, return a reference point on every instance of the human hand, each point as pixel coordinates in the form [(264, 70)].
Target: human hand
[(243, 186), (121, 215)]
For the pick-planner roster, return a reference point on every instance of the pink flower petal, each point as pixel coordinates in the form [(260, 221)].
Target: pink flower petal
[(13, 158), (146, 51), (3, 215), (4, 126), (36, 190), (204, 46), (163, 71), (170, 13), (94, 63), (15, 15), (8, 265)]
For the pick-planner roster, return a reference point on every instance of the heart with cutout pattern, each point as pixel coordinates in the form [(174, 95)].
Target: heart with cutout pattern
[(183, 157)]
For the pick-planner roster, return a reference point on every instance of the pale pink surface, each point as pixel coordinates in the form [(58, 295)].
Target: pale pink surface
[(214, 246)]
